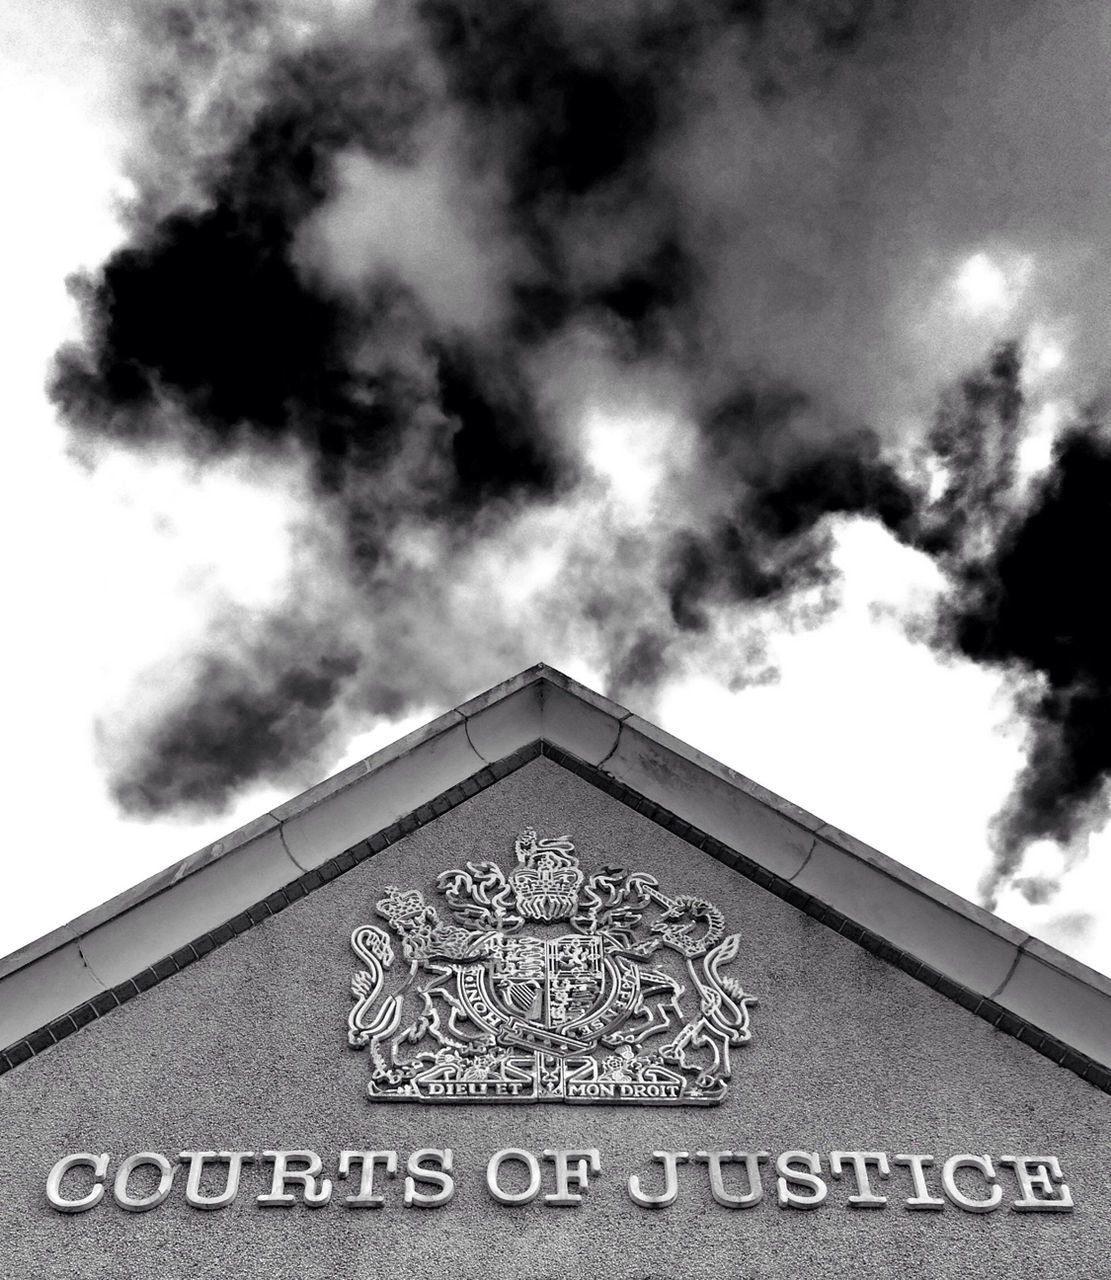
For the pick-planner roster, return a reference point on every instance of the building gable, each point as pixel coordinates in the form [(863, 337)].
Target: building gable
[(852, 1063)]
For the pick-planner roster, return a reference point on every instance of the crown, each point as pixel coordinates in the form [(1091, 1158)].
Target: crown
[(547, 879), (401, 908)]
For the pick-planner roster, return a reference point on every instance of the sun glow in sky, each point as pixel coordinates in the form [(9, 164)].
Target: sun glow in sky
[(986, 285), (634, 453)]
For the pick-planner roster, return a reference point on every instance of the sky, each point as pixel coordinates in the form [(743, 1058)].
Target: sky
[(745, 360)]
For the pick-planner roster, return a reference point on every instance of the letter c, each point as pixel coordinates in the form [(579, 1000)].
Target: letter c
[(949, 1184), (93, 1197)]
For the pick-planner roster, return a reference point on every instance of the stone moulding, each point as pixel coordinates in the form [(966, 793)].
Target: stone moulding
[(54, 986)]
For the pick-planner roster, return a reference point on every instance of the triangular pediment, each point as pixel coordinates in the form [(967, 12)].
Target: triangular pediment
[(108, 956)]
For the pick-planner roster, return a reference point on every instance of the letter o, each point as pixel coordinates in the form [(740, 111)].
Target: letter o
[(166, 1172), (99, 1165), (495, 1164)]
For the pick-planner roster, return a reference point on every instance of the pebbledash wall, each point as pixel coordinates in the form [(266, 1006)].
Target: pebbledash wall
[(982, 1155)]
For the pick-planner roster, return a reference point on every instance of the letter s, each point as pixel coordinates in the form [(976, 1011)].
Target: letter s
[(420, 1173), (789, 1199)]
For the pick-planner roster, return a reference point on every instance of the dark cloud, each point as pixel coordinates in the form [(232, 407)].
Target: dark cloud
[(574, 103), (1037, 890), (207, 306), (255, 705), (206, 329), (782, 478), (408, 248), (643, 663), (1033, 600), (972, 447), (245, 312)]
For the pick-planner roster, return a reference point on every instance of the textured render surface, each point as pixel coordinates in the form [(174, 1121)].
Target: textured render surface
[(246, 1050)]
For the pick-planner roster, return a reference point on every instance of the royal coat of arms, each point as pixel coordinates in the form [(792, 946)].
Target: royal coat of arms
[(548, 986)]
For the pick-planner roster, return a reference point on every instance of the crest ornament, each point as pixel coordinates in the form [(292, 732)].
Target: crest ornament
[(547, 986)]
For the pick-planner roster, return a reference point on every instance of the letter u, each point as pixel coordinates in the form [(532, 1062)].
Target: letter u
[(751, 1160)]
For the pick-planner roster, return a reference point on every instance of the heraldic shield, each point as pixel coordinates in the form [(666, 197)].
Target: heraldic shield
[(547, 986)]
